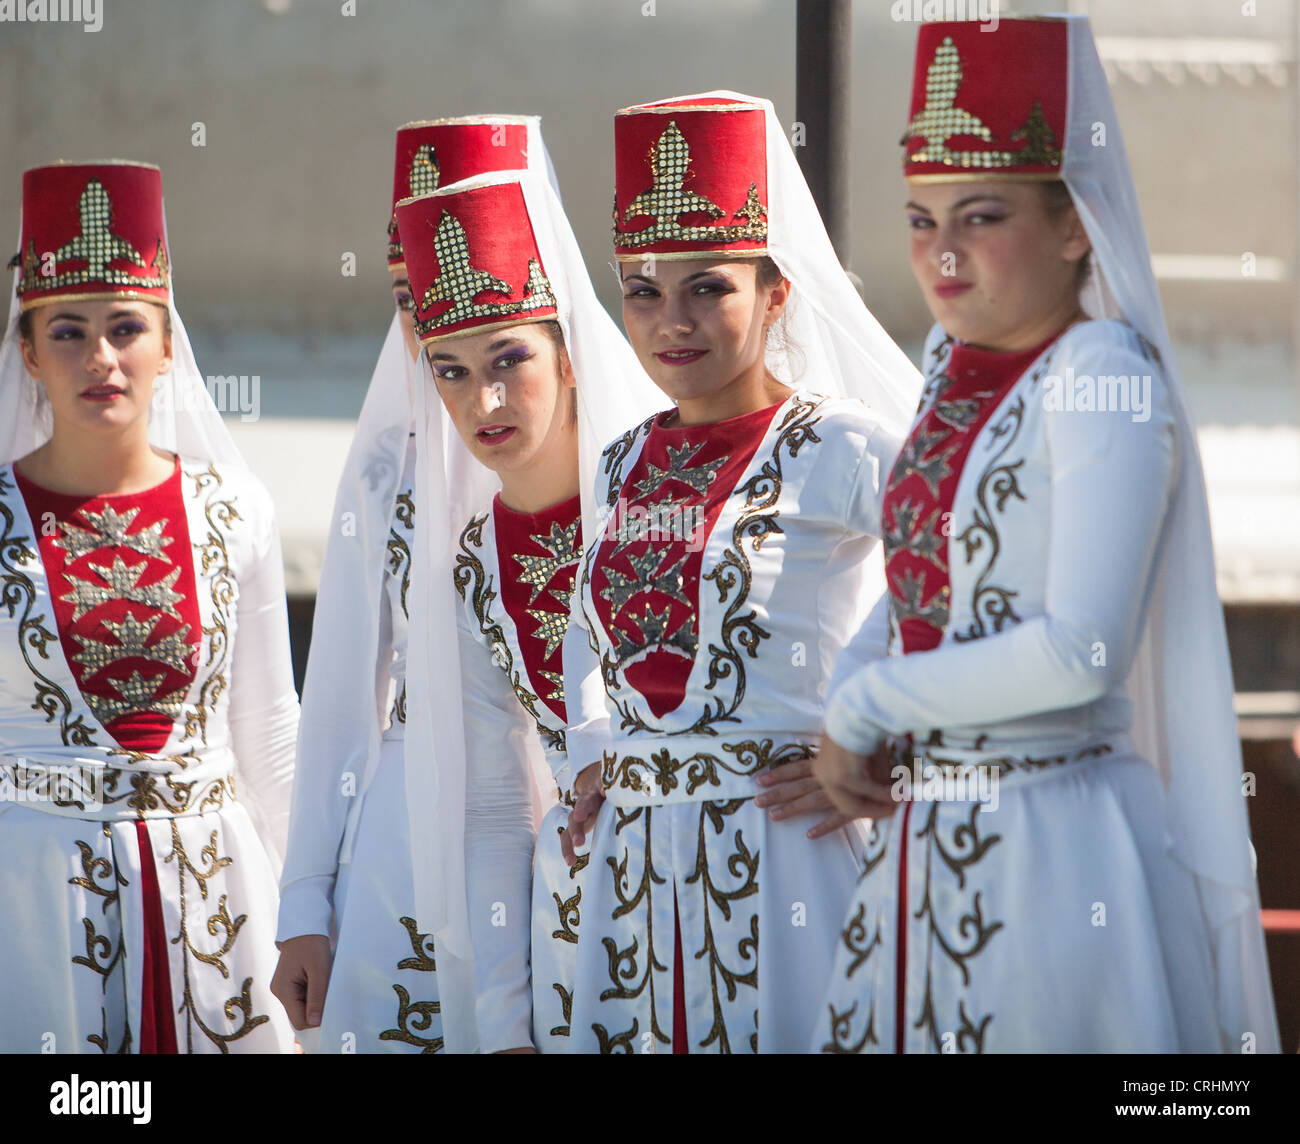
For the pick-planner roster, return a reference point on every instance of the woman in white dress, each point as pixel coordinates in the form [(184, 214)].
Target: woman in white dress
[(147, 709), (1039, 714), (730, 571), (357, 962), (534, 384)]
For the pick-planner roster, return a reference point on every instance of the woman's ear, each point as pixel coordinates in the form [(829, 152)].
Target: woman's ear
[(29, 358), (566, 368), (776, 301), (165, 365), (1076, 243)]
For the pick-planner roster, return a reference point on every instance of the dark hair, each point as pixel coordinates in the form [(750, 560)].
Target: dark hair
[(767, 275), (553, 331), (1056, 201), (26, 330)]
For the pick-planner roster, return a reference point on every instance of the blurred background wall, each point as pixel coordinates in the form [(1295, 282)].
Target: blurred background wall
[(294, 103)]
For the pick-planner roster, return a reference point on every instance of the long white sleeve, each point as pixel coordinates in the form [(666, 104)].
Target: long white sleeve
[(263, 702), (1111, 480), (499, 836)]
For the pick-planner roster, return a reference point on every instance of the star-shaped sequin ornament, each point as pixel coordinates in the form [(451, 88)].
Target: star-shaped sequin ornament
[(562, 550), (131, 634), (654, 629), (908, 590), (550, 627), (646, 577), (908, 533), (697, 477), (139, 693), (123, 584), (932, 470), (108, 529), (556, 680)]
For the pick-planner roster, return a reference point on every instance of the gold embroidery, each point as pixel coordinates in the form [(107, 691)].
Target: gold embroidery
[(108, 529), (627, 982), (412, 1021), (459, 283), (421, 958), (990, 603), (965, 850), (668, 200), (221, 924), (743, 865), (662, 773), (17, 589), (415, 1019), (862, 942), (399, 551), (421, 180), (470, 571), (940, 119), (214, 560), (568, 914), (102, 955)]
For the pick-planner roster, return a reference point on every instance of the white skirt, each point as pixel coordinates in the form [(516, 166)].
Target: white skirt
[(1055, 923), (557, 905), (758, 905), (81, 902), (383, 987)]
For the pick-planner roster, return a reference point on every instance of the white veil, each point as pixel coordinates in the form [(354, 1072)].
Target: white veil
[(1182, 664)]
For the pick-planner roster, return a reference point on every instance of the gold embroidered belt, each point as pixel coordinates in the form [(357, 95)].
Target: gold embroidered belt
[(98, 790), (696, 768), (935, 772)]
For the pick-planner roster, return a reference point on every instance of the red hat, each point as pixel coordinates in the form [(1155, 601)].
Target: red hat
[(436, 152), (988, 104), (690, 179), (473, 261), (92, 230)]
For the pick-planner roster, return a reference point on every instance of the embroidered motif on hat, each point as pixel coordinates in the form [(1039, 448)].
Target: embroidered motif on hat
[(668, 200)]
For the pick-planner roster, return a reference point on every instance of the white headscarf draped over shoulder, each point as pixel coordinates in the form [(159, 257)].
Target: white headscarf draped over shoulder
[(1182, 665)]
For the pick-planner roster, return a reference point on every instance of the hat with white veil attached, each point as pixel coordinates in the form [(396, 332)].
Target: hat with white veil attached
[(497, 230), (1182, 663), (346, 689), (94, 231)]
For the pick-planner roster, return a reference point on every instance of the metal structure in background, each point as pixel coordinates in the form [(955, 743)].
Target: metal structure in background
[(823, 49)]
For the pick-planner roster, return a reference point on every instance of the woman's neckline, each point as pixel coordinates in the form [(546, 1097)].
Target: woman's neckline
[(662, 418), (45, 491)]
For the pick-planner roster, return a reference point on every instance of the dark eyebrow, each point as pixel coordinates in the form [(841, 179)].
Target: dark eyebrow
[(975, 199), (69, 318), (401, 282), (688, 278), (498, 344)]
